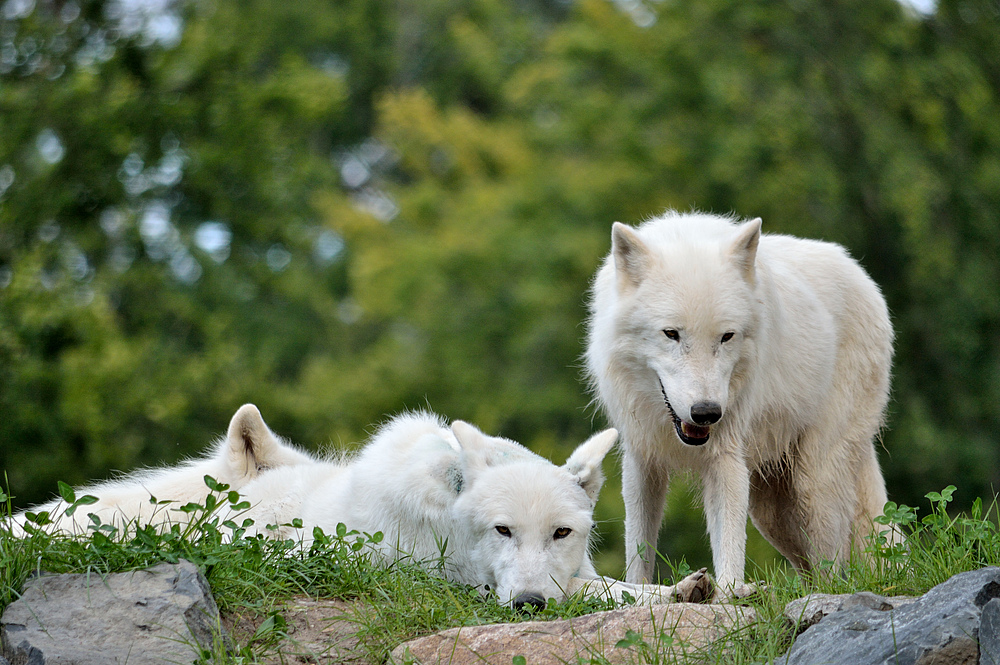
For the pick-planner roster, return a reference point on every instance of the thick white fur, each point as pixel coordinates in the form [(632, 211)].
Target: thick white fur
[(248, 449), (430, 489), (433, 490), (802, 383)]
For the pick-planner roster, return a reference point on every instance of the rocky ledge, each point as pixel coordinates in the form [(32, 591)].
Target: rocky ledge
[(166, 614)]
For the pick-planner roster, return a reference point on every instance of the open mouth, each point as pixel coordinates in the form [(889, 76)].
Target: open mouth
[(692, 435)]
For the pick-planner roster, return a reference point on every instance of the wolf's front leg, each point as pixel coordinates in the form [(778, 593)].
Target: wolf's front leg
[(644, 489), (726, 487), (695, 588)]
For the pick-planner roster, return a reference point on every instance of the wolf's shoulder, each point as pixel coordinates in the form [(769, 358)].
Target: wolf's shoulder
[(413, 433), (809, 257), (414, 425)]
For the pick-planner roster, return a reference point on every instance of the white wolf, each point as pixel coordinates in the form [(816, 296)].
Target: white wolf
[(248, 449), (762, 363), (504, 518)]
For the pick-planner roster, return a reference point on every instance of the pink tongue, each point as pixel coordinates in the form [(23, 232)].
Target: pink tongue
[(694, 431)]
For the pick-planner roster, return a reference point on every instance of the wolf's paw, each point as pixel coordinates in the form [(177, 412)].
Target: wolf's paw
[(695, 588), (728, 594)]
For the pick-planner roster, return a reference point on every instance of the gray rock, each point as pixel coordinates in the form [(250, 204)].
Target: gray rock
[(807, 611), (159, 615), (688, 627), (939, 628), (989, 634)]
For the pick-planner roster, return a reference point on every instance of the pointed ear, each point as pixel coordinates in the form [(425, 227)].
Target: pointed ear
[(585, 462), (743, 250), (250, 444), (632, 257), (474, 445)]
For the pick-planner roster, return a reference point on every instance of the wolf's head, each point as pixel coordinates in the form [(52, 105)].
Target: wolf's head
[(686, 293), (529, 520)]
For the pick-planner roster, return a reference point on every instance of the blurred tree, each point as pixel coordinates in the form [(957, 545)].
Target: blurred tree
[(342, 210), (159, 246)]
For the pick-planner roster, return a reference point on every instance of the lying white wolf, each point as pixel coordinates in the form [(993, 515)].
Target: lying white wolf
[(506, 519), (248, 450), (762, 363)]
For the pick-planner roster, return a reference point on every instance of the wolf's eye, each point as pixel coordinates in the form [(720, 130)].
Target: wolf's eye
[(562, 532), (672, 334), (503, 531), (728, 336)]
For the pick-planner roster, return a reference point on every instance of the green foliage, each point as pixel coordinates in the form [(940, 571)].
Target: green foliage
[(937, 544), (400, 601)]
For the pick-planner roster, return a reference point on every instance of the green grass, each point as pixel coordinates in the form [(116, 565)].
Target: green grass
[(255, 576)]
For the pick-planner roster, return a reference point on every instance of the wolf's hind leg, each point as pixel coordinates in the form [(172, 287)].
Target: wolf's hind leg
[(775, 513), (826, 498)]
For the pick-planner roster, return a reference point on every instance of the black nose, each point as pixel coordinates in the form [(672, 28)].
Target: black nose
[(706, 413), (529, 598)]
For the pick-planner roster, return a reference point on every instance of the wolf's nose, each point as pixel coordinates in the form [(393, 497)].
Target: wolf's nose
[(529, 598), (706, 413)]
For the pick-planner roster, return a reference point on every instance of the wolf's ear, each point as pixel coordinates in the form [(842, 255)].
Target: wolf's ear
[(632, 257), (744, 248), (474, 445), (585, 462), (250, 445)]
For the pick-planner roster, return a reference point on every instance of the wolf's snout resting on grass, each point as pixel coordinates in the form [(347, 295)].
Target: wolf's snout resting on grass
[(481, 510), (761, 362)]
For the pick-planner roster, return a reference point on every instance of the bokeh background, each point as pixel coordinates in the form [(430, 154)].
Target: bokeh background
[(341, 210)]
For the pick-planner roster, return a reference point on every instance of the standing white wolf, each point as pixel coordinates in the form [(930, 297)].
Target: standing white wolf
[(486, 510), (760, 362)]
